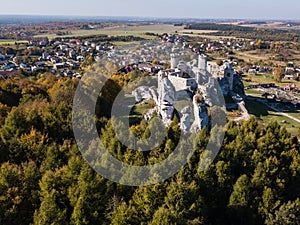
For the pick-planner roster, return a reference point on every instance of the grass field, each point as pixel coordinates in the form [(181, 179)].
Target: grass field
[(266, 78), (11, 42), (254, 56), (142, 108), (138, 30), (265, 115), (257, 55), (295, 114), (201, 33), (253, 92)]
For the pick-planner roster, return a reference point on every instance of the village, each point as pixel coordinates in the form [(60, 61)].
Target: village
[(62, 57), (66, 57)]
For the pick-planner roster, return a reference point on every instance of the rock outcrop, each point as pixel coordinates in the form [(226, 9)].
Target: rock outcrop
[(185, 120), (166, 100), (200, 114), (238, 86), (145, 93)]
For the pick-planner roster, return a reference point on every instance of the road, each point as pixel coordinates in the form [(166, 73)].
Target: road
[(274, 108), (282, 113)]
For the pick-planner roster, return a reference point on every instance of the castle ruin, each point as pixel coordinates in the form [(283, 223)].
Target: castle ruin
[(203, 81)]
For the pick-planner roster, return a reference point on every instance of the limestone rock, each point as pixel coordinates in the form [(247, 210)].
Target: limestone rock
[(167, 112), (166, 99), (200, 113), (166, 92), (144, 93), (185, 121), (149, 114)]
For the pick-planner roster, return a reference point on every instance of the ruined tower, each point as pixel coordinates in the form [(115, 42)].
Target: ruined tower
[(202, 62), (228, 74), (174, 60), (202, 68)]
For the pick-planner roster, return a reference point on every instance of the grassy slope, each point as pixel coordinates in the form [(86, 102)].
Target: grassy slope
[(266, 78), (265, 115)]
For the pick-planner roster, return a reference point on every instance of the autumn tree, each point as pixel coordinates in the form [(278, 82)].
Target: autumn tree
[(278, 74)]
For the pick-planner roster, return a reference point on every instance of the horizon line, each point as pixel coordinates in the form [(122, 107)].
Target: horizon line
[(151, 17)]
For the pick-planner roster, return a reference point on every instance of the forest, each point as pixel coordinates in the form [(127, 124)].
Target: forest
[(265, 34), (44, 179)]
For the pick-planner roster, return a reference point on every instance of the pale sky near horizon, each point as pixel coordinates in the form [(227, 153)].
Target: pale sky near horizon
[(227, 9)]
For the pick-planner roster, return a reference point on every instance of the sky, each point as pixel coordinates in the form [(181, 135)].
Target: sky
[(225, 9)]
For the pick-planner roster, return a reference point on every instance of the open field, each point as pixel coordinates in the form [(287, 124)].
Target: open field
[(212, 37), (254, 55), (205, 35), (253, 92), (196, 31), (264, 55), (266, 78), (11, 42), (265, 115), (137, 30), (200, 33), (264, 24), (295, 114)]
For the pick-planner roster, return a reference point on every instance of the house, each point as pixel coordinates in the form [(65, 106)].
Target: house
[(41, 41), (68, 73), (73, 64), (59, 53), (72, 41), (34, 68), (83, 49), (99, 47), (78, 42), (80, 58), (55, 60), (289, 69), (63, 47), (72, 53), (57, 66), (25, 67), (146, 67), (9, 66), (2, 57), (252, 71), (77, 75), (40, 64), (158, 67), (288, 77), (45, 55)]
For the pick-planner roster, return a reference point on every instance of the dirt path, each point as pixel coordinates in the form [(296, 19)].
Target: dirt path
[(282, 113), (275, 109)]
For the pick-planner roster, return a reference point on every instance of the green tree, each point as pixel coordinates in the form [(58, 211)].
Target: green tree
[(239, 205), (287, 214), (18, 192), (89, 197), (49, 212)]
